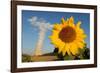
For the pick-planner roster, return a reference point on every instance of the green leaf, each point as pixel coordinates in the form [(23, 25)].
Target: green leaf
[(67, 57)]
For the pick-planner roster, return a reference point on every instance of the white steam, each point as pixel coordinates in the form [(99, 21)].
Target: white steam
[(43, 26)]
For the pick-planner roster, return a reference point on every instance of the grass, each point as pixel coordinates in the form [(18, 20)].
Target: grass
[(26, 58), (55, 56), (44, 57)]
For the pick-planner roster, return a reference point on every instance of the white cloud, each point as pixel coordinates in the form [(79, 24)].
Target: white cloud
[(40, 23)]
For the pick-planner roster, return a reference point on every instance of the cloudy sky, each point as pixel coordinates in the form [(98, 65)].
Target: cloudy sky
[(30, 33)]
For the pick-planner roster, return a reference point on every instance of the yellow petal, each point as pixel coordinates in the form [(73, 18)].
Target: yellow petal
[(80, 40), (57, 27), (71, 21), (53, 37), (78, 24), (80, 45), (56, 41), (55, 33), (82, 36), (66, 49), (62, 21), (61, 47), (79, 31), (67, 21), (74, 49)]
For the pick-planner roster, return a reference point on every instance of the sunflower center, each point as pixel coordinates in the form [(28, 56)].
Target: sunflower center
[(67, 34)]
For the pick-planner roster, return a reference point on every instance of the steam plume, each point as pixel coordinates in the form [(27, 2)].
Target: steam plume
[(43, 26)]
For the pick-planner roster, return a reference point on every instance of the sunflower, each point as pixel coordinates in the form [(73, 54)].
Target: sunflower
[(68, 37)]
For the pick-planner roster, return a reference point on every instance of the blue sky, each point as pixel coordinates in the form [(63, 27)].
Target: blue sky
[(30, 33)]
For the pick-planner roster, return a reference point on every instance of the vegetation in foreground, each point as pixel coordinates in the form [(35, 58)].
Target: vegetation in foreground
[(55, 56)]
